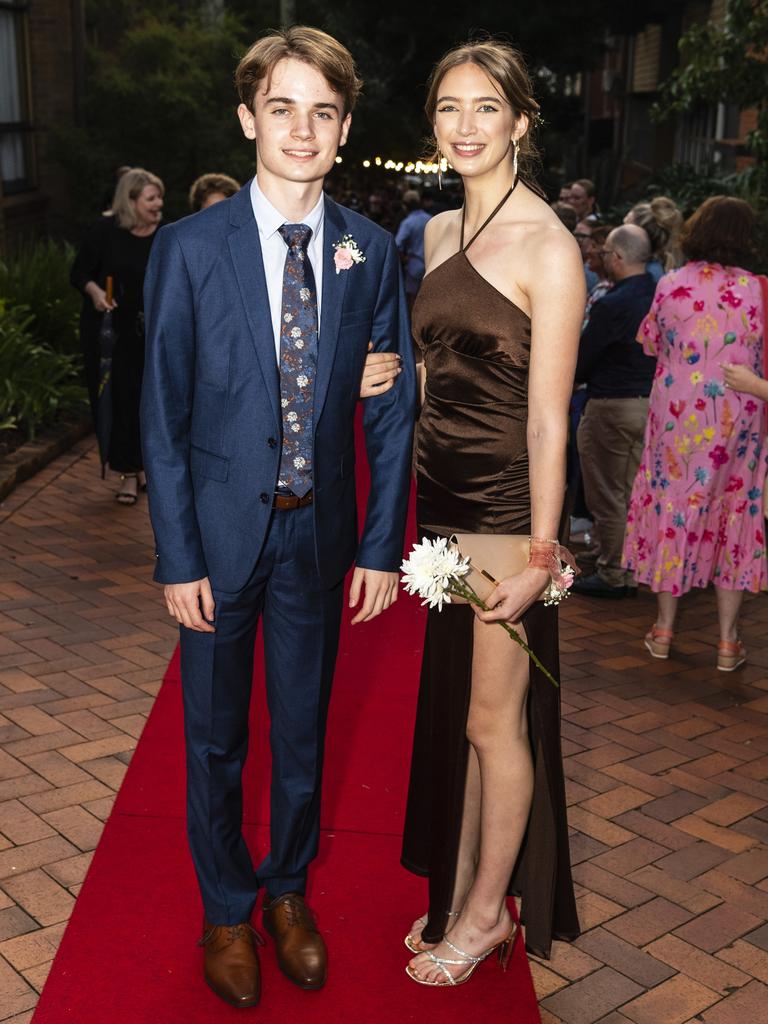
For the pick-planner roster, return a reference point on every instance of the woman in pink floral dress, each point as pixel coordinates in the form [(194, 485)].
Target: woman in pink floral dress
[(696, 513)]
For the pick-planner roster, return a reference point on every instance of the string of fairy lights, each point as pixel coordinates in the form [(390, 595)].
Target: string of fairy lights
[(411, 167)]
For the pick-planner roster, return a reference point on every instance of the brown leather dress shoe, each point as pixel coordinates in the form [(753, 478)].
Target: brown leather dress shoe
[(232, 963), (301, 953)]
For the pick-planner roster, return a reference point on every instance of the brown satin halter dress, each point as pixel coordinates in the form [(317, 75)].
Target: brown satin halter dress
[(472, 477)]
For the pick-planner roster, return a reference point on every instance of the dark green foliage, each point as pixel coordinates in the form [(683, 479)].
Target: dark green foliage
[(160, 93), (689, 188), (727, 63), (160, 96), (37, 384), (37, 278)]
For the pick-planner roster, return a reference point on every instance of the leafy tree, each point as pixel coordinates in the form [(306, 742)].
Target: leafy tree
[(396, 44), (160, 95), (727, 63)]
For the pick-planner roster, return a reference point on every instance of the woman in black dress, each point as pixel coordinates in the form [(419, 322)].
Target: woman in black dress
[(497, 320), (118, 247)]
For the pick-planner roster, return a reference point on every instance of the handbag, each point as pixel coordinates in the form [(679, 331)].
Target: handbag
[(764, 289), (492, 557)]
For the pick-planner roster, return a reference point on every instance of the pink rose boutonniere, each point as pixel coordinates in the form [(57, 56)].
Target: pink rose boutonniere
[(347, 254)]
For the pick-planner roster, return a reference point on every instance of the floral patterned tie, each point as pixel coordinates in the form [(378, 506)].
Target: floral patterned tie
[(298, 359)]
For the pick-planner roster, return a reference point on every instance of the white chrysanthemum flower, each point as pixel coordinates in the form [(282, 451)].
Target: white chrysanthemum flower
[(295, 427), (299, 343), (304, 294), (295, 332), (302, 380), (299, 462), (430, 569), (292, 417), (284, 402), (288, 317)]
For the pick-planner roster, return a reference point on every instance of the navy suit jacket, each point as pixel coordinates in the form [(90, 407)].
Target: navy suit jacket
[(210, 407)]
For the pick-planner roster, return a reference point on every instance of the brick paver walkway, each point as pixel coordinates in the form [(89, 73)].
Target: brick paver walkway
[(667, 766)]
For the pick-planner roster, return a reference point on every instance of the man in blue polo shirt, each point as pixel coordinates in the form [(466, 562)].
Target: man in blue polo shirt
[(410, 243), (618, 376)]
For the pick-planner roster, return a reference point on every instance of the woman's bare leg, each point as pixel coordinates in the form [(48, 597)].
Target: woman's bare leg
[(728, 608), (469, 845), (666, 610), (497, 729)]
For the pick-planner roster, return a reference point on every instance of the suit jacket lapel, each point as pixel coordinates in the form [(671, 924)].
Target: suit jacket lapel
[(245, 249), (334, 289)]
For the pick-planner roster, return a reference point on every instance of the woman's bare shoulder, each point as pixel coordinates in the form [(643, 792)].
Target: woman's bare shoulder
[(438, 232), (549, 240), (442, 223)]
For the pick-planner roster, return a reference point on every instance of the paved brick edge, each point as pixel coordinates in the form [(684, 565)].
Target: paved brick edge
[(33, 456)]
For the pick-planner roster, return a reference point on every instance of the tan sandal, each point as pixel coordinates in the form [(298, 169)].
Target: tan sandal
[(731, 654), (658, 641), (128, 491)]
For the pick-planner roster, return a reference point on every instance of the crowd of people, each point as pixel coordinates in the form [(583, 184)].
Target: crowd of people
[(667, 464)]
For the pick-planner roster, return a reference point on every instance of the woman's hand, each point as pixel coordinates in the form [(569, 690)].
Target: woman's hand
[(99, 298), (379, 373), (741, 378), (514, 596)]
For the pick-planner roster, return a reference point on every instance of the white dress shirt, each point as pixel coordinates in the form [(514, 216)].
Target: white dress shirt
[(274, 250)]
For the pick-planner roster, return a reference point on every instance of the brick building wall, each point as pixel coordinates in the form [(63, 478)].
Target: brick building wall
[(53, 55), (624, 90)]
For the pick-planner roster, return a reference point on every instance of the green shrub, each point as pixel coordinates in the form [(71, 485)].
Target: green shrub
[(37, 383), (37, 277), (689, 188)]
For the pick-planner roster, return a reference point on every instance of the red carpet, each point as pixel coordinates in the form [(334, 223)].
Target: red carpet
[(128, 955)]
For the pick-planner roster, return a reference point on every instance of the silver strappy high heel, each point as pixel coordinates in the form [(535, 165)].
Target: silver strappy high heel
[(504, 947)]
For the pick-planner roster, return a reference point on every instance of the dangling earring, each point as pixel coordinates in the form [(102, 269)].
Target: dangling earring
[(439, 169), (516, 146)]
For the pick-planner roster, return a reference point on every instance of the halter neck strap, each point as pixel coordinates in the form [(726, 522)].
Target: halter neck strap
[(487, 220)]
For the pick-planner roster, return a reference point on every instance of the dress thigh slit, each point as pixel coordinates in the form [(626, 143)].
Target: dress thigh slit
[(541, 877)]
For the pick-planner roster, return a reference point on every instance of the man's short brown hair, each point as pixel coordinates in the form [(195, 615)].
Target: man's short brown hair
[(310, 45)]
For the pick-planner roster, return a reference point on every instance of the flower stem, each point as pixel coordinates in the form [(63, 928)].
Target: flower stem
[(465, 591)]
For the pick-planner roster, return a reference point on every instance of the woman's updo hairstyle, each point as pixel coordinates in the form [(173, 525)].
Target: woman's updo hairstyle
[(663, 220), (505, 66)]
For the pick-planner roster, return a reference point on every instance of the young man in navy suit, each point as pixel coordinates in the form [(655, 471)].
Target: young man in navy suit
[(259, 312)]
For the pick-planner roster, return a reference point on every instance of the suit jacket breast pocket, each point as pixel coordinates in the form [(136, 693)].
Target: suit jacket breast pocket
[(356, 318)]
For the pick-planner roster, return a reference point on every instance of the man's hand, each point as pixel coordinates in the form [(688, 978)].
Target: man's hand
[(191, 604), (380, 592), (380, 372)]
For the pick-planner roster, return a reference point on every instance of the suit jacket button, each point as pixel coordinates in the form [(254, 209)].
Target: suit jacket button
[(264, 498), (272, 442)]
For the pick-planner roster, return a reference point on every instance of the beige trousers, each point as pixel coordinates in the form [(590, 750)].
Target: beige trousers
[(610, 441)]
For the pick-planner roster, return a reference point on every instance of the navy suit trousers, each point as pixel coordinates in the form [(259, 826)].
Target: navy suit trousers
[(301, 622)]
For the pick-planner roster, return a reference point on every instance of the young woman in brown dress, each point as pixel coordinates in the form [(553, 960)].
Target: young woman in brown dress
[(497, 320)]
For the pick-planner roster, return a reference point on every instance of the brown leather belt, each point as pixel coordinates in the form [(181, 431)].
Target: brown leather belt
[(291, 501)]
